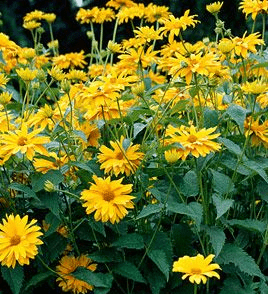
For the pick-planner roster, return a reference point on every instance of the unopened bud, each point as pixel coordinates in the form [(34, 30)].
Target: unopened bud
[(65, 85), (49, 186)]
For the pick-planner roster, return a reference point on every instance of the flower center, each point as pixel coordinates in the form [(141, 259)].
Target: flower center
[(195, 271), (108, 195), (15, 240), (22, 141), (192, 138), (119, 156)]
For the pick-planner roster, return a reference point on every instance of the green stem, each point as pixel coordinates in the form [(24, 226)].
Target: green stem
[(195, 288), (263, 30)]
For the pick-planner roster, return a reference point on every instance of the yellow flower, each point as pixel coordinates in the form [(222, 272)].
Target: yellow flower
[(117, 4), (154, 12), (27, 74), (76, 75), (226, 45), (255, 87), (197, 268), (70, 60), (172, 155), (129, 13), (18, 240), (253, 7), (262, 99), (3, 80), (197, 143), (24, 142), (49, 17), (114, 47), (120, 159), (5, 98), (214, 7), (31, 25), (55, 162), (108, 199), (258, 132), (33, 15), (56, 73), (146, 34), (67, 266)]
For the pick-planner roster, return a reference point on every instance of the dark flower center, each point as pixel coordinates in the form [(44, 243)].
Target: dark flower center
[(192, 138), (15, 240), (22, 141), (108, 195), (196, 271)]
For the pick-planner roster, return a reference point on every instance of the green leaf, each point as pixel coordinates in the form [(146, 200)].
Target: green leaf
[(231, 163), (248, 224), (194, 210), (182, 237), (159, 258), (222, 205), (14, 277), (98, 280), (53, 222), (231, 146), (97, 226), (210, 118), (221, 183), (217, 238), (54, 176), (257, 168), (149, 209), (232, 254), (22, 188), (107, 255), (51, 201), (262, 190), (156, 279), (259, 65), (190, 186), (238, 114), (232, 285), (132, 241), (35, 280), (179, 106), (138, 127), (128, 270), (56, 244)]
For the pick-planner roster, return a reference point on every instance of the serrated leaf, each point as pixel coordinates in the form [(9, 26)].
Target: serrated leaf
[(128, 270), (222, 205), (54, 176), (98, 280), (257, 168), (56, 244), (238, 114), (190, 186), (97, 226), (217, 238), (232, 285), (179, 106), (231, 146), (159, 258), (53, 221), (106, 255), (131, 241), (248, 224), (138, 127), (194, 210), (14, 277), (28, 192), (262, 190), (149, 210), (51, 201), (233, 254), (210, 118), (182, 237), (221, 183), (35, 280)]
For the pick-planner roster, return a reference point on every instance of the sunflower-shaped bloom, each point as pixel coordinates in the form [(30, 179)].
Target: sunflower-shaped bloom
[(197, 268), (214, 7), (18, 240), (193, 141), (67, 281), (108, 199), (119, 159), (27, 143)]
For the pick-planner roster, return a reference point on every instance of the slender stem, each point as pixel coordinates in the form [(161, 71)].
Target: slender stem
[(263, 30), (195, 288)]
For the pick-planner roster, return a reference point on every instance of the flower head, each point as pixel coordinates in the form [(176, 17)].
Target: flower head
[(120, 159), (108, 199), (197, 268), (214, 7), (18, 240), (27, 74), (67, 266)]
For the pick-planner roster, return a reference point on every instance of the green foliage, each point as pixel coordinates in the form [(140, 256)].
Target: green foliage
[(129, 271), (14, 277)]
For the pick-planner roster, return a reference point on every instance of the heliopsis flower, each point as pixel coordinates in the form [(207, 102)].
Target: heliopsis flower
[(129, 13), (197, 143), (56, 73), (226, 45), (118, 4), (146, 34), (262, 99), (53, 162), (197, 268), (253, 7), (31, 25), (23, 141), (153, 13), (173, 25), (247, 44), (49, 17), (33, 15), (27, 74), (18, 240), (67, 266), (5, 98), (255, 87), (3, 80), (214, 8), (76, 75), (258, 132), (120, 159), (108, 199), (70, 60)]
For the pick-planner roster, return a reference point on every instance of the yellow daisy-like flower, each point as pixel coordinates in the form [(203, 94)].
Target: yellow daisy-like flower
[(23, 141), (3, 80), (56, 73), (197, 143), (27, 74), (253, 7), (214, 8), (5, 98), (68, 265), (147, 34), (31, 25), (120, 159), (258, 132), (117, 4), (18, 240), (197, 268), (49, 17), (154, 12), (108, 199), (255, 87)]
